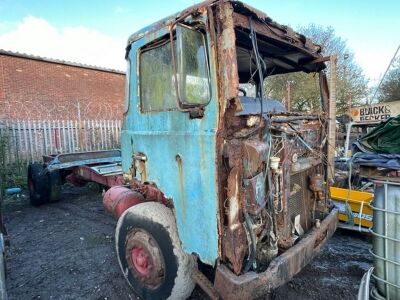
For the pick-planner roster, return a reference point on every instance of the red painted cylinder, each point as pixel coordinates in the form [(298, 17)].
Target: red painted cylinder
[(119, 198)]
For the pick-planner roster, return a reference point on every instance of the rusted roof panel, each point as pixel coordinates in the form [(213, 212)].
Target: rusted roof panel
[(280, 31)]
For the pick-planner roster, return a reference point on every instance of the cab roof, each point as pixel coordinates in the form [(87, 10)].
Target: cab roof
[(299, 53)]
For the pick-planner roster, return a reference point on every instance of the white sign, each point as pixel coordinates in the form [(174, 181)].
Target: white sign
[(376, 112)]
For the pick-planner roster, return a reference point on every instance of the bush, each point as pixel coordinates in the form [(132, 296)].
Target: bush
[(10, 175)]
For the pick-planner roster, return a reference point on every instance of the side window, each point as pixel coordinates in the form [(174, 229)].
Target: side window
[(192, 67), (127, 84), (157, 88), (157, 80)]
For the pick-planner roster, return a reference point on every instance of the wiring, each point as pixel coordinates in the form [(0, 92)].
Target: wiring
[(261, 70), (251, 260), (260, 63)]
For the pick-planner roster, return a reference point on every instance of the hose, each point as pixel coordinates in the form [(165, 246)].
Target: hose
[(251, 259)]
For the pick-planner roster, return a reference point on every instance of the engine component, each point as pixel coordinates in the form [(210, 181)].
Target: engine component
[(274, 162), (317, 185), (254, 153), (255, 193)]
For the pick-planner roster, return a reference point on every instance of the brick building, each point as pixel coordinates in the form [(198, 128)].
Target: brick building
[(38, 88)]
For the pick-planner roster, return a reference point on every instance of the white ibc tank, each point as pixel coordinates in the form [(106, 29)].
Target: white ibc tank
[(386, 239)]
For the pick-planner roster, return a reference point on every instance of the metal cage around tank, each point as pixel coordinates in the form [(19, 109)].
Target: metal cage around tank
[(386, 240)]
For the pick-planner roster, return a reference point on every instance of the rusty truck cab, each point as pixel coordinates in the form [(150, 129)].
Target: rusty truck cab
[(246, 177)]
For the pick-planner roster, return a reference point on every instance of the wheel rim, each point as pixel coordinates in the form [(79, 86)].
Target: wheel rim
[(145, 259), (141, 260)]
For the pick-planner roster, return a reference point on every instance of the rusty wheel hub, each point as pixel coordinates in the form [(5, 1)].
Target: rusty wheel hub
[(145, 259)]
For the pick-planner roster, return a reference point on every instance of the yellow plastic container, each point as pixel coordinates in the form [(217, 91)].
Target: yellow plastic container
[(358, 202)]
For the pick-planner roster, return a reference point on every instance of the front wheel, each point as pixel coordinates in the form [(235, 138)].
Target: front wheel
[(150, 254)]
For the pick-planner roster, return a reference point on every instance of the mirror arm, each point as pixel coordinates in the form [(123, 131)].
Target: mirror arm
[(196, 111)]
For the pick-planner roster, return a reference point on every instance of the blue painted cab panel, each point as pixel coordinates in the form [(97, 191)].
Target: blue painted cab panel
[(181, 160)]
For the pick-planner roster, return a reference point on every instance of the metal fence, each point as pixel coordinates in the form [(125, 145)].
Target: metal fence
[(27, 141)]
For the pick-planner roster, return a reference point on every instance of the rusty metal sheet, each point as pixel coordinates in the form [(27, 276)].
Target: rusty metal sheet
[(170, 20), (255, 193), (252, 285), (227, 54), (88, 174), (69, 160), (294, 42), (254, 154), (249, 10)]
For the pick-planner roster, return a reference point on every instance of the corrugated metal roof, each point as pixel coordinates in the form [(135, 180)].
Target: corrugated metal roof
[(59, 61)]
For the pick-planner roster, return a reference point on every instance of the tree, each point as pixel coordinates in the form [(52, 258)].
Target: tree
[(390, 87), (305, 96)]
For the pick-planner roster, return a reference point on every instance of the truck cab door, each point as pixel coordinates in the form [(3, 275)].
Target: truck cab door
[(162, 140)]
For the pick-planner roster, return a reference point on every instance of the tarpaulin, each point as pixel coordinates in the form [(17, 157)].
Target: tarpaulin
[(380, 147), (379, 160), (385, 138)]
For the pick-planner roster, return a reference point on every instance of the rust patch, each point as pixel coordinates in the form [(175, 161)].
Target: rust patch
[(233, 242), (142, 170), (227, 54), (254, 154), (181, 182), (252, 285), (281, 34), (150, 192), (235, 247)]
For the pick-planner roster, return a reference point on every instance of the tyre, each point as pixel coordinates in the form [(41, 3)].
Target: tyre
[(55, 185), (150, 254), (38, 184), (43, 186)]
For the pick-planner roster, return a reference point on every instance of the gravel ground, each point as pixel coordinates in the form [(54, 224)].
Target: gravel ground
[(66, 250)]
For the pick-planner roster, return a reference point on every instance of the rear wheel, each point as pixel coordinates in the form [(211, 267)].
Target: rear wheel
[(37, 184), (150, 254), (43, 186), (55, 185)]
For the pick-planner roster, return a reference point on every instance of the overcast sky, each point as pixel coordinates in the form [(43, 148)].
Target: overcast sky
[(95, 32)]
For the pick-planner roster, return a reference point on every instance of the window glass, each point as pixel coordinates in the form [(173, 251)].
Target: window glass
[(157, 89), (127, 84), (192, 67)]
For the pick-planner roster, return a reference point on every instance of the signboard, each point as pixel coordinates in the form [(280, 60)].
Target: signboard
[(376, 112)]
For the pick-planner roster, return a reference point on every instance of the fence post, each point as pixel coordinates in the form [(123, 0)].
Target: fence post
[(30, 140), (50, 131), (77, 140), (59, 148)]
